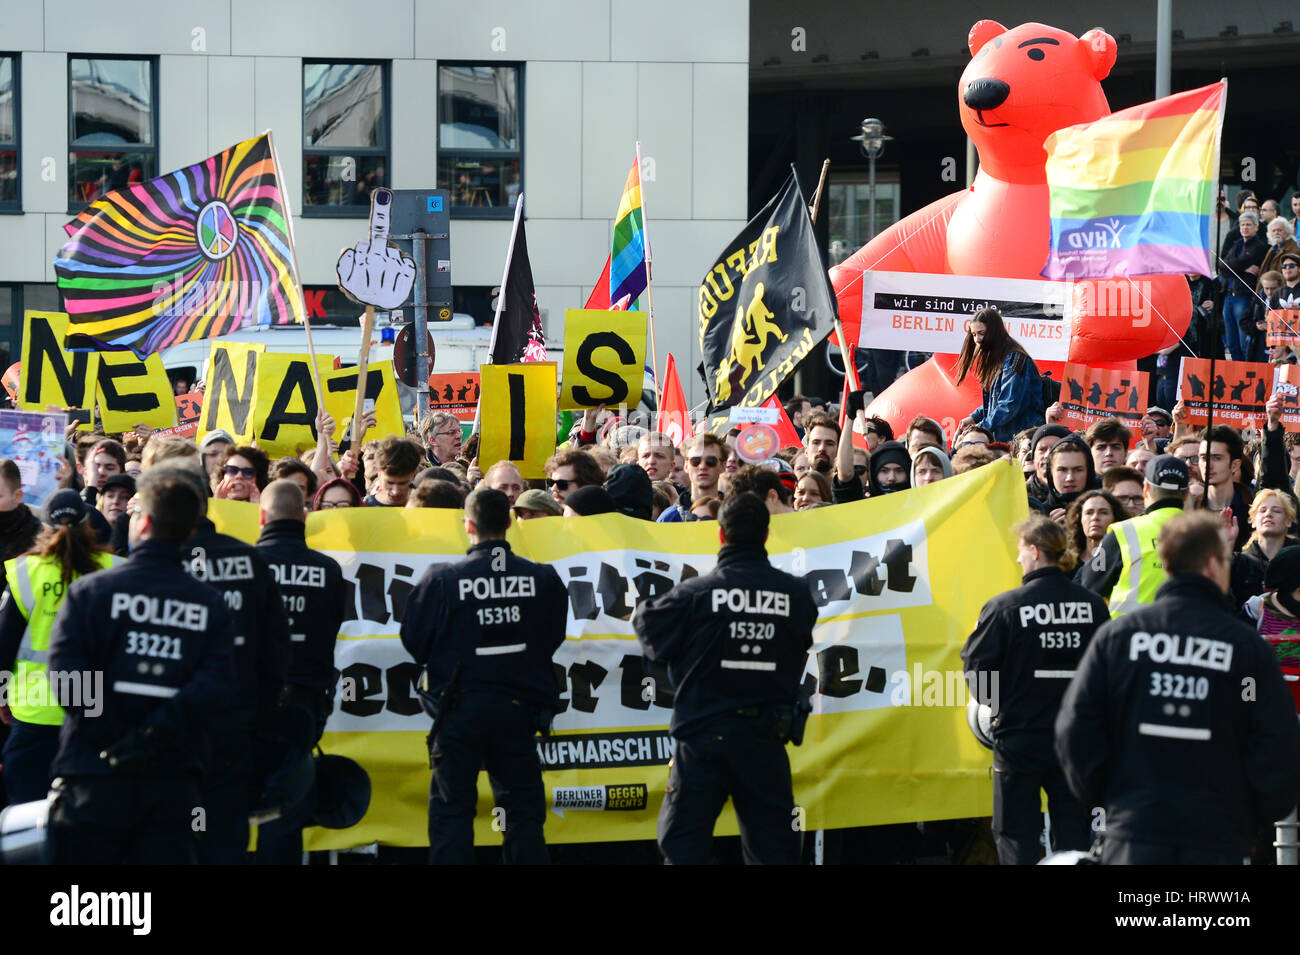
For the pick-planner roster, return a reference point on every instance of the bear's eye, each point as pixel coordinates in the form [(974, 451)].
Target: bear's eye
[(1036, 54)]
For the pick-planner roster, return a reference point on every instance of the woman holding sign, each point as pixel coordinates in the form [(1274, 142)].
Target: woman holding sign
[(1013, 392)]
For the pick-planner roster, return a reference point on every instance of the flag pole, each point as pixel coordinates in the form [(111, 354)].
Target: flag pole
[(850, 369), (297, 280), (501, 293), (363, 360), (649, 285)]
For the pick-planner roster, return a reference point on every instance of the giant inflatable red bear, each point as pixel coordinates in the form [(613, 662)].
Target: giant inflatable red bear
[(1020, 86)]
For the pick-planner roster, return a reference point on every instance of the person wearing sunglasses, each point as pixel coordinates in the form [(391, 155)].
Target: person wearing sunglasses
[(569, 469), (242, 474)]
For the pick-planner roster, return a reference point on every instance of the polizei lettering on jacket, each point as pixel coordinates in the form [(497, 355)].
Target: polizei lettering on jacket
[(161, 613), (1056, 613), (1188, 651), (485, 588), (739, 600), (223, 568), (299, 575)]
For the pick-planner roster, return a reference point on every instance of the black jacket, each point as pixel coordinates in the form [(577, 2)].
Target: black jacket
[(1030, 640), (1241, 255), (314, 597), (735, 637), (1179, 724), (498, 620), (162, 643), (253, 597)]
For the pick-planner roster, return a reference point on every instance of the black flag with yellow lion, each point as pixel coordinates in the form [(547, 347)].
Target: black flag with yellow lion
[(764, 304)]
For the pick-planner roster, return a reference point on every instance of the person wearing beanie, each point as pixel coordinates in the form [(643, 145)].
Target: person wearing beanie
[(890, 468), (1040, 446), (630, 488), (1276, 612), (930, 465), (588, 501)]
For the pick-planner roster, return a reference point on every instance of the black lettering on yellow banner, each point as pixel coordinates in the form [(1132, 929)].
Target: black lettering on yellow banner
[(381, 387), (284, 406), (132, 392), (50, 374), (518, 416), (604, 357), (231, 381)]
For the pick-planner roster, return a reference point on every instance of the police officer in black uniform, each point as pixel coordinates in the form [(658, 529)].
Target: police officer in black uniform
[(736, 643), (1021, 657), (485, 629), (253, 597), (160, 643), (311, 585), (1179, 723)]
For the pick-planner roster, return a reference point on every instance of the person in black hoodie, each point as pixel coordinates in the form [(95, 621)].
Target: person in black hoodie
[(1070, 472), (1037, 486), (630, 488)]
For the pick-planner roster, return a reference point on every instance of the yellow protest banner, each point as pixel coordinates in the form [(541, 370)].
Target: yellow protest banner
[(50, 374), (887, 742), (381, 388), (517, 411), (284, 403), (604, 358), (132, 392), (230, 378)]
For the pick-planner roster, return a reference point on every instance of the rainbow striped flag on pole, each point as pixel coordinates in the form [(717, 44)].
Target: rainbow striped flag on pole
[(627, 260), (1133, 193)]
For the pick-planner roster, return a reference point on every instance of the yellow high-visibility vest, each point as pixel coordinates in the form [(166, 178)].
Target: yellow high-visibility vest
[(1140, 572), (36, 587)]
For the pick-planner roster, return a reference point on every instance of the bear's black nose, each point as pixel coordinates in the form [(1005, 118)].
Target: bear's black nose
[(986, 94)]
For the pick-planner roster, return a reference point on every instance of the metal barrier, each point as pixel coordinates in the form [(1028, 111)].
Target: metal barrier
[(1287, 843)]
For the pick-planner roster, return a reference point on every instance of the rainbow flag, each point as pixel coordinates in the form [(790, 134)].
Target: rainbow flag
[(628, 274), (1133, 193), (193, 254)]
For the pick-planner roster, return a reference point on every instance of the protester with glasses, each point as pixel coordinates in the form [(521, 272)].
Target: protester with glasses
[(242, 474), (339, 492), (569, 469), (441, 435)]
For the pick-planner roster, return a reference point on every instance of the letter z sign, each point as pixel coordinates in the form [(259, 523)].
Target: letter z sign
[(604, 358)]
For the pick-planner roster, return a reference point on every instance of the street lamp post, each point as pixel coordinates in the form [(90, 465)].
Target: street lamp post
[(872, 141)]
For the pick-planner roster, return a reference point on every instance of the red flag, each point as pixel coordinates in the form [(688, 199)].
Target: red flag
[(784, 426), (599, 297), (674, 416)]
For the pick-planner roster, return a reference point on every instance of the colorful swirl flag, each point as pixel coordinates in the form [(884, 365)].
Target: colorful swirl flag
[(193, 254), (1133, 192)]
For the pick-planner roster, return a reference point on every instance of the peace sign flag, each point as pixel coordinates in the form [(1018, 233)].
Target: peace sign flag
[(193, 254)]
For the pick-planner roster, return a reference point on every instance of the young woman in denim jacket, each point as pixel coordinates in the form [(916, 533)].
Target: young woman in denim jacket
[(1013, 391)]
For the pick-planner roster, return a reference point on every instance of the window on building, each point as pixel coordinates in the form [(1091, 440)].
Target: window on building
[(344, 136), (10, 197), (480, 137), (849, 196), (113, 114)]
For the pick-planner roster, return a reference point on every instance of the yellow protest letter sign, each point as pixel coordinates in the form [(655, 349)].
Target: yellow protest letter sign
[(50, 374), (228, 399), (604, 358), (517, 416), (132, 392), (284, 403), (381, 387)]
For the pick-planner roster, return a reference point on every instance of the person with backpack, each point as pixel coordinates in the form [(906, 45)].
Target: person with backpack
[(1012, 387)]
